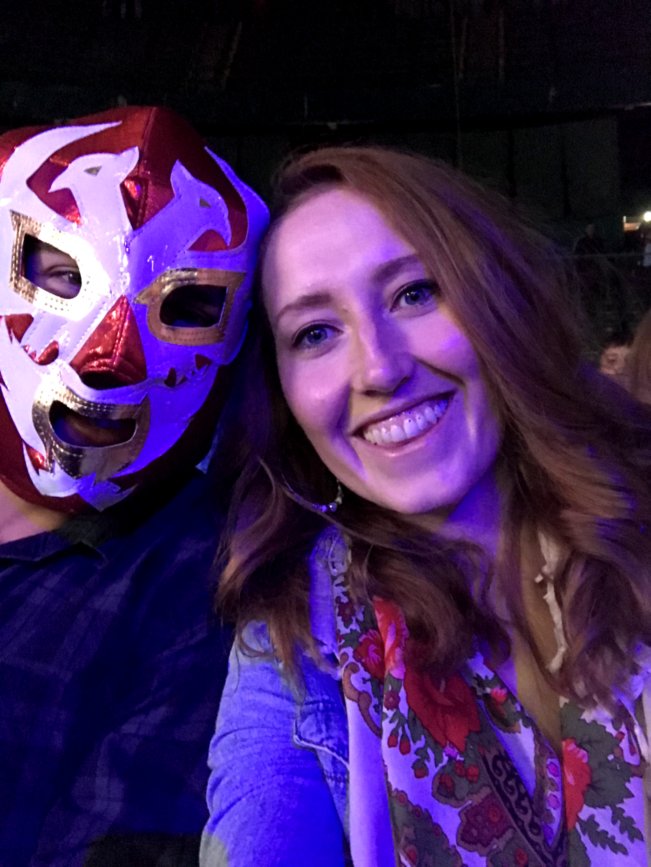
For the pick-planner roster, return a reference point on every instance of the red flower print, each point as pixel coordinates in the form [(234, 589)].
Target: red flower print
[(521, 857), (494, 813), (420, 770), (393, 739), (483, 824), (346, 611), (411, 853), (459, 768), (472, 773), (577, 776), (449, 714), (446, 785), (498, 694), (370, 653), (405, 746), (393, 630)]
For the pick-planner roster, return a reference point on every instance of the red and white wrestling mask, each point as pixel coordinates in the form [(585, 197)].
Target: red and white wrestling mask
[(126, 256)]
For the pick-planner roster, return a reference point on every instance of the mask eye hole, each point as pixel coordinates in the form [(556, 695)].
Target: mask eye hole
[(50, 269), (195, 305)]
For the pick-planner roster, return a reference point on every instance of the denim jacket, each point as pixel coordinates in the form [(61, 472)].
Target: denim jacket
[(277, 793)]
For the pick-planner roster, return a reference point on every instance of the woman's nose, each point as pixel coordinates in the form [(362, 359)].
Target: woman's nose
[(382, 360)]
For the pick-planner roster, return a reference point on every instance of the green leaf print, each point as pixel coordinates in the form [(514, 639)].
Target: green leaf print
[(591, 736), (599, 837), (626, 824), (608, 785), (578, 856)]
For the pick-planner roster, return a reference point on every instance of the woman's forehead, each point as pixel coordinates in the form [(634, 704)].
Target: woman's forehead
[(330, 236)]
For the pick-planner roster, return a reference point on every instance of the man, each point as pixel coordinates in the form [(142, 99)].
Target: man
[(126, 253)]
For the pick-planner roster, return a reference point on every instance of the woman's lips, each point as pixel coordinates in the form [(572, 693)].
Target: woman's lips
[(81, 430), (408, 425)]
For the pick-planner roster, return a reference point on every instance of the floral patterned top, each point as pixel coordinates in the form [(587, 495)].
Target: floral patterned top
[(456, 772)]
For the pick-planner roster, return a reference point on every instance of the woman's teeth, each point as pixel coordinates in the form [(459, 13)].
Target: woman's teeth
[(407, 425)]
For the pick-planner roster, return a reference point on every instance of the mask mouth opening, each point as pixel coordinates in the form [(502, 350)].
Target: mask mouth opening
[(75, 429)]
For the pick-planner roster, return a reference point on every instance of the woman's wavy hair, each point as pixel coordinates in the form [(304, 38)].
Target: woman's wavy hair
[(576, 447)]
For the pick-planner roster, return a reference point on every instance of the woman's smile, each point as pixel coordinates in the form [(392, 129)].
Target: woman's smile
[(407, 425)]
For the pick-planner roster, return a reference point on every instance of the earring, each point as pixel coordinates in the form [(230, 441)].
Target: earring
[(323, 508)]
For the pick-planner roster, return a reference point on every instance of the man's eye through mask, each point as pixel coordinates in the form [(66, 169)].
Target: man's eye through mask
[(50, 269), (193, 306)]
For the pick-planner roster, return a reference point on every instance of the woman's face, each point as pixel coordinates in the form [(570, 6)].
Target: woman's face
[(374, 367)]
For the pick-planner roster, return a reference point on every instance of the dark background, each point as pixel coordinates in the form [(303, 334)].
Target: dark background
[(549, 100)]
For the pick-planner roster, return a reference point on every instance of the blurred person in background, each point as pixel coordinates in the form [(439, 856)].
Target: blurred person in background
[(614, 352), (638, 362), (590, 243)]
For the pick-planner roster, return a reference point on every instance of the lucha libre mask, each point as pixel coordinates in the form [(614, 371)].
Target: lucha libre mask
[(126, 256)]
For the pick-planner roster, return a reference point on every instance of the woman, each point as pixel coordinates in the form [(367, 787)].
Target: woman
[(440, 559)]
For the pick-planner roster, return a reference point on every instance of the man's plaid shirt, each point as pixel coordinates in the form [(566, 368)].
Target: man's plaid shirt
[(111, 667)]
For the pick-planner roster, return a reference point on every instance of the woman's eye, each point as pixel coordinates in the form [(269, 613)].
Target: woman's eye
[(417, 294), (311, 337)]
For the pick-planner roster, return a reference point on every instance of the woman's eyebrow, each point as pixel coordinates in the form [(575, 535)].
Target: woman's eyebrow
[(307, 301), (387, 270)]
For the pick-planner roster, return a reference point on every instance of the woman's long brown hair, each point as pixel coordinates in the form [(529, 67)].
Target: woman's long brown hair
[(576, 449)]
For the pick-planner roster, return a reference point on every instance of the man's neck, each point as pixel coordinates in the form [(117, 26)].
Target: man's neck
[(19, 519)]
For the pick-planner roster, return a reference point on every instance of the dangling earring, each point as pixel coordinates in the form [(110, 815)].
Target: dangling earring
[(323, 508)]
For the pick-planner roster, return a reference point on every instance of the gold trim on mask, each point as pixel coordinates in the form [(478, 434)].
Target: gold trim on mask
[(80, 461), (185, 335), (69, 244)]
